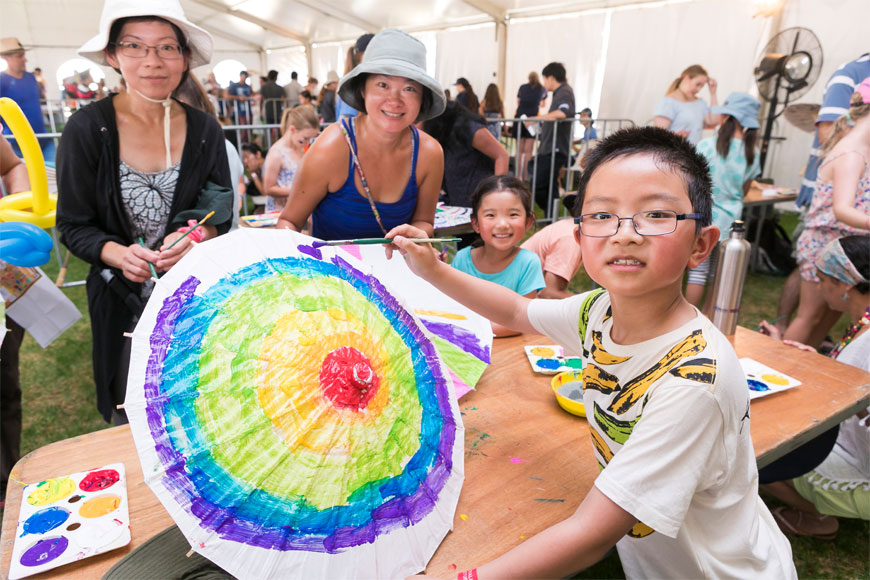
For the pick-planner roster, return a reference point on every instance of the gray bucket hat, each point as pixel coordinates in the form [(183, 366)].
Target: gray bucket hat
[(395, 53), (742, 107)]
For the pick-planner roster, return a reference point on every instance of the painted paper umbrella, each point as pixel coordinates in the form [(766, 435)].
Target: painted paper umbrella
[(292, 414)]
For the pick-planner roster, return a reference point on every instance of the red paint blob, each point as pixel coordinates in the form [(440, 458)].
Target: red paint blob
[(97, 480), (348, 379)]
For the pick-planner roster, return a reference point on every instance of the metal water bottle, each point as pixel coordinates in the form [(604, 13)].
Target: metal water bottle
[(730, 275)]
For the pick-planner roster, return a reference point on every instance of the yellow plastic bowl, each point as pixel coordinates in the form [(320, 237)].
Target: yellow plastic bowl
[(570, 405)]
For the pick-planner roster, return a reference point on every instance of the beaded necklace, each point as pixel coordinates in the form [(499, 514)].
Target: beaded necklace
[(850, 334)]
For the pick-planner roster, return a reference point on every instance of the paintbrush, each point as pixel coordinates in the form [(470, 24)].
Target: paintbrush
[(187, 233), (369, 241), (150, 265)]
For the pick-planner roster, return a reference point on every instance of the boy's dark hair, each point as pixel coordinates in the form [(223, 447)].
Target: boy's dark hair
[(273, 75), (294, 75), (252, 148), (244, 72), (669, 150), (555, 70), (857, 249)]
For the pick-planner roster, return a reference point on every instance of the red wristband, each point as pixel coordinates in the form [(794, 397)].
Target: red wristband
[(468, 575)]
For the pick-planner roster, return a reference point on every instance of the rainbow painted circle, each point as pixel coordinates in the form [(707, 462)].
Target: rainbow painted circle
[(296, 405)]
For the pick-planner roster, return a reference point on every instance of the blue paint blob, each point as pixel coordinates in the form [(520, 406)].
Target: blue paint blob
[(549, 364), (45, 520), (757, 386)]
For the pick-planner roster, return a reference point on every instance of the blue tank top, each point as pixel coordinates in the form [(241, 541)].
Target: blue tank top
[(346, 213)]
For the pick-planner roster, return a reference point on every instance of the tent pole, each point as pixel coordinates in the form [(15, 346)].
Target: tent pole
[(501, 30)]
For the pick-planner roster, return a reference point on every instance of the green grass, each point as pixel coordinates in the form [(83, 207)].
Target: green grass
[(60, 402)]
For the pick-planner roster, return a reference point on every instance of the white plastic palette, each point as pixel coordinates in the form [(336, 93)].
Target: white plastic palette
[(69, 518), (764, 380), (550, 359)]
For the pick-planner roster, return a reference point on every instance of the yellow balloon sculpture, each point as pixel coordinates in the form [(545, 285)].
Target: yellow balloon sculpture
[(36, 206)]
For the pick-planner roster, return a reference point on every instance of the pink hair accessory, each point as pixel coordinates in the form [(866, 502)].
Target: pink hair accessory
[(197, 234), (864, 90)]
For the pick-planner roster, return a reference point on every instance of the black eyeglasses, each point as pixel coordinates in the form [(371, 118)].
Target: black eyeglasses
[(167, 51), (658, 222)]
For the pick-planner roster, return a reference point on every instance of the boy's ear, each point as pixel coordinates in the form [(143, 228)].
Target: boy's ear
[(704, 243)]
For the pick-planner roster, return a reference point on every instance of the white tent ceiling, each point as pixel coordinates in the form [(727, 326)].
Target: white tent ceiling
[(620, 54)]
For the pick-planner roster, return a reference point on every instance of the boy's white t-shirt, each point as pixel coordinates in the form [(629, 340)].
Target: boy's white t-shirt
[(669, 419)]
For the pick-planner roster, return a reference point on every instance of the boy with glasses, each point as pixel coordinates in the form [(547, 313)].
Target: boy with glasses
[(668, 405)]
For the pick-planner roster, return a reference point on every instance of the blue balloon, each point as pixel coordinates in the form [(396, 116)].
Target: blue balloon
[(23, 244)]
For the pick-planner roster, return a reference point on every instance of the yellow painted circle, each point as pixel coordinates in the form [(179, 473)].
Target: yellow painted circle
[(99, 506), (51, 490)]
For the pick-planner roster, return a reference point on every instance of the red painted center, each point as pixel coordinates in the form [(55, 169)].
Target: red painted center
[(348, 379)]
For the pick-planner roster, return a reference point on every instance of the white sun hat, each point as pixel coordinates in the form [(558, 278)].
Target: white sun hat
[(197, 40)]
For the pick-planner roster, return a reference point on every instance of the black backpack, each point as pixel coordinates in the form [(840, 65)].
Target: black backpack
[(775, 248)]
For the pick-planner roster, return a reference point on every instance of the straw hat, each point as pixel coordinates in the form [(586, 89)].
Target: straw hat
[(395, 53), (10, 44), (332, 77), (198, 40)]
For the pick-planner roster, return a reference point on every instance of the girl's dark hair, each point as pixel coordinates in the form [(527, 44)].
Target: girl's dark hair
[(501, 183), (473, 101), (670, 151), (118, 25), (192, 92), (726, 132), (857, 249), (492, 102)]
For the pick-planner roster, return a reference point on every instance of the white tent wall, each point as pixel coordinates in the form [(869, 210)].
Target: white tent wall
[(329, 56), (470, 52), (288, 60)]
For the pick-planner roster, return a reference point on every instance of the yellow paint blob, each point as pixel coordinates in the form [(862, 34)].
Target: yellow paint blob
[(51, 490), (543, 351), (99, 506), (774, 379), (441, 314), (463, 517)]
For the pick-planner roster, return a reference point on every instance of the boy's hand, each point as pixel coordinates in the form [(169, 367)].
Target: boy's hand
[(420, 257)]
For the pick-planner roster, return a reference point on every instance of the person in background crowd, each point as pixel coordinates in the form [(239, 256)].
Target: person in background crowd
[(471, 153), (132, 169), (311, 87), (40, 80), (305, 98), (465, 95), (589, 134), (292, 90), (241, 93), (23, 88), (530, 99), (840, 207), (492, 107), (681, 111), (273, 100), (835, 104), (327, 98), (447, 95), (560, 256), (352, 60), (253, 160), (299, 126), (15, 180), (552, 151)]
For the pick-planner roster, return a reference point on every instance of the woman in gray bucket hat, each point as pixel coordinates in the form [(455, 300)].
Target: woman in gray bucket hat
[(393, 170)]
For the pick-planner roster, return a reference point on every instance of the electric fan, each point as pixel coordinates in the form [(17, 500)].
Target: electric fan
[(789, 66)]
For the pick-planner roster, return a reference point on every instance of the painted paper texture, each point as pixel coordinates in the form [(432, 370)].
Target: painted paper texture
[(292, 413)]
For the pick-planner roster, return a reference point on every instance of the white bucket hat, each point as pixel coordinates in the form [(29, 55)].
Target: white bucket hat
[(197, 40), (395, 53)]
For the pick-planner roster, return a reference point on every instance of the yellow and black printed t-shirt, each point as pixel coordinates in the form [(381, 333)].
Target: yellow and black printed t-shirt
[(669, 421)]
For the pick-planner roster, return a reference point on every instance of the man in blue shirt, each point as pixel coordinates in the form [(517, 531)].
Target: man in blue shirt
[(241, 93), (22, 87)]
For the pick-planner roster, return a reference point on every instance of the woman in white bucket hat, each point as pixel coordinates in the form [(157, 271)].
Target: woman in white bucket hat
[(365, 175), (132, 169)]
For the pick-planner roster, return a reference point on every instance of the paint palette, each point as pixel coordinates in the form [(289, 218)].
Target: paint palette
[(262, 220), (764, 380), (69, 518), (550, 359)]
